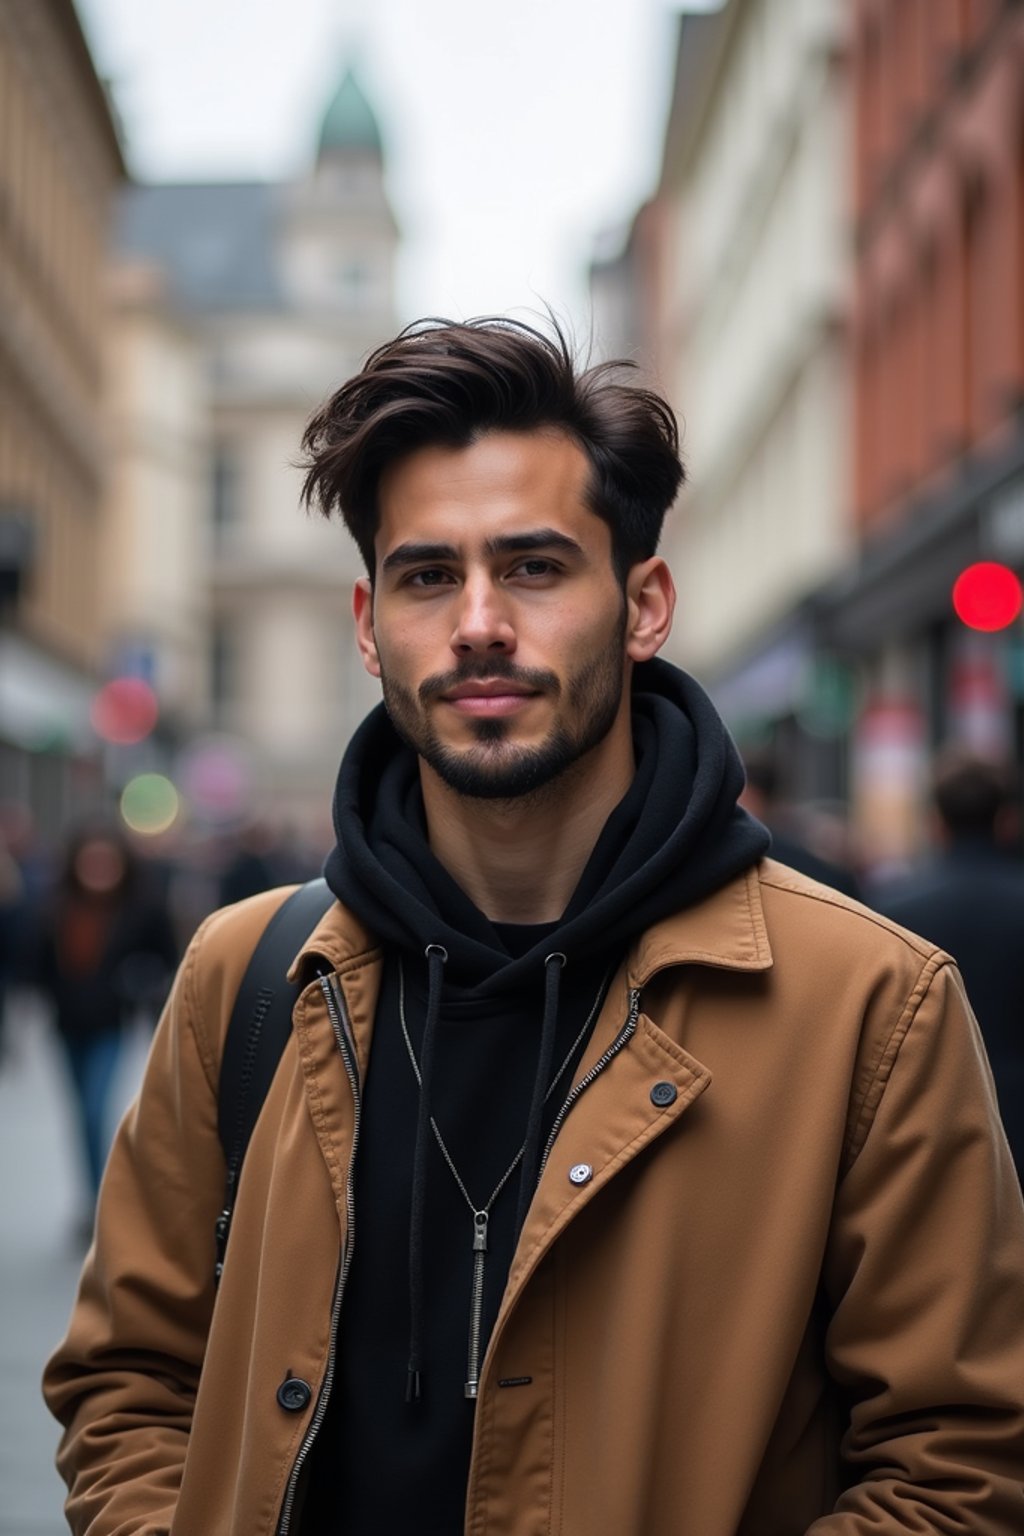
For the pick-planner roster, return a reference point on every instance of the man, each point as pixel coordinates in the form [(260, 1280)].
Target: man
[(969, 898), (616, 1181)]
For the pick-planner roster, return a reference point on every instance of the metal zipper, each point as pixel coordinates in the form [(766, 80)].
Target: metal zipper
[(480, 1220), (625, 1034), (343, 1035)]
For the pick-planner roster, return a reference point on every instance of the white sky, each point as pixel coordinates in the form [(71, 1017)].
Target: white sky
[(513, 132)]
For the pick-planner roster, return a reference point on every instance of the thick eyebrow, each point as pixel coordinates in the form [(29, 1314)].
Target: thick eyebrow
[(416, 554), (538, 538), (501, 544)]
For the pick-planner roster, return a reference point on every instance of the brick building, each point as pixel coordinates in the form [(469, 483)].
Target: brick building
[(938, 390), (939, 177)]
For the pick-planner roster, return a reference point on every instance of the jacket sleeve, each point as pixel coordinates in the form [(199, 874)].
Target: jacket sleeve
[(925, 1279), (124, 1380)]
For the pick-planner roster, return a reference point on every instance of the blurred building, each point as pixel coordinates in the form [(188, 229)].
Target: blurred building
[(752, 284), (264, 297), (938, 237), (631, 292), (60, 166), (153, 592), (839, 288)]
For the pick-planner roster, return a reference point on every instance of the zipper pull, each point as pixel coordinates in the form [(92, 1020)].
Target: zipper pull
[(480, 1219)]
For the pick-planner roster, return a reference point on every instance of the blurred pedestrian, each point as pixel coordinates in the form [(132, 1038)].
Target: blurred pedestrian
[(761, 798), (24, 879), (968, 897), (253, 863), (105, 951)]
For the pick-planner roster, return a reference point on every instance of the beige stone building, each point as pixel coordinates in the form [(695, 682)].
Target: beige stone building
[(153, 594), (266, 296), (740, 306), (60, 166), (756, 162)]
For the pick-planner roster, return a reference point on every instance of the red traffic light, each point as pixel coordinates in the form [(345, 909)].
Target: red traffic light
[(987, 595)]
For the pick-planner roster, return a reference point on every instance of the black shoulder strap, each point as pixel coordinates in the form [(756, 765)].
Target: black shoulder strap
[(260, 1024)]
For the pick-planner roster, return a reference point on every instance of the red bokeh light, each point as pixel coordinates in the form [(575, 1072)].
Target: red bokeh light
[(987, 595), (124, 711)]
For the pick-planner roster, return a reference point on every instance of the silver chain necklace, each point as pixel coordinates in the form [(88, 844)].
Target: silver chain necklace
[(481, 1215)]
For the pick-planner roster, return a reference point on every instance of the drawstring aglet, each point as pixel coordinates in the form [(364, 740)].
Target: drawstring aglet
[(413, 1386)]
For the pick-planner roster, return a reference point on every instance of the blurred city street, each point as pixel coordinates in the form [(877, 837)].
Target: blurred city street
[(39, 1258), (795, 233)]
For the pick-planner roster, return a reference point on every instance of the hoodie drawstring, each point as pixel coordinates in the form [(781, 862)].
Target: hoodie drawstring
[(529, 1154), (437, 955), (528, 1172)]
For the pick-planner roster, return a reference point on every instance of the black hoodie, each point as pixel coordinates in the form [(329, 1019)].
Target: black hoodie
[(510, 1024)]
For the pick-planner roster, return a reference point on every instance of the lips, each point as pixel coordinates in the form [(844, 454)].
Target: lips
[(489, 698), (499, 688)]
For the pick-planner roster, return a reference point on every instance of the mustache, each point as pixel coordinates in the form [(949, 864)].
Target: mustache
[(475, 669)]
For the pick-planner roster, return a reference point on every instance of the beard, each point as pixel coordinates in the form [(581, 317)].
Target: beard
[(494, 768)]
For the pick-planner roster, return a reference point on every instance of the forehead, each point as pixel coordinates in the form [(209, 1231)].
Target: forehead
[(500, 481)]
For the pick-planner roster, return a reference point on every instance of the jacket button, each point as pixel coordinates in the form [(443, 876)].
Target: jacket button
[(664, 1094), (580, 1173), (294, 1394)]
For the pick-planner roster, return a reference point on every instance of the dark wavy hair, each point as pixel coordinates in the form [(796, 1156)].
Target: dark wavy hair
[(446, 383)]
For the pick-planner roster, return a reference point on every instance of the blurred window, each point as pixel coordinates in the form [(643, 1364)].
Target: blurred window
[(354, 280), (931, 354), (1020, 265), (223, 493), (223, 671), (976, 223)]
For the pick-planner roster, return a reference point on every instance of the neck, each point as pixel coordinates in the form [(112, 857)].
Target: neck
[(520, 860)]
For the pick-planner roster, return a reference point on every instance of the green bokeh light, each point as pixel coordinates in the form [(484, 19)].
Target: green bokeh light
[(150, 804)]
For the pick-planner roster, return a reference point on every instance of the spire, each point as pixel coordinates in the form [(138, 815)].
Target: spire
[(349, 123)]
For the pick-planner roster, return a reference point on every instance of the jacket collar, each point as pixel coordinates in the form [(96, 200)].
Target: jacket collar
[(726, 930), (339, 938)]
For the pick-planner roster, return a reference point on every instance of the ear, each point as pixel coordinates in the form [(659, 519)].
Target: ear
[(362, 609), (650, 604)]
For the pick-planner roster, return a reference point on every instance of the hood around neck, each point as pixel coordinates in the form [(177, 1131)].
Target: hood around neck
[(677, 835)]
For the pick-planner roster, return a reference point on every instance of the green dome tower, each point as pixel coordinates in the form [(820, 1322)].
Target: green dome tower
[(349, 123)]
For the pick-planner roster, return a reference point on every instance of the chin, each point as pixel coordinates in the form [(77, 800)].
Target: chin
[(507, 771)]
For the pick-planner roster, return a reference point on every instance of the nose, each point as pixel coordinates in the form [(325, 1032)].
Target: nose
[(483, 620)]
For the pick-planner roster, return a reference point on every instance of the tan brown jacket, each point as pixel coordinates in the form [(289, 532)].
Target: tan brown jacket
[(789, 1299)]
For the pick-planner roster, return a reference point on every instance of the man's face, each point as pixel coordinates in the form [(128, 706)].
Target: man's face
[(496, 625)]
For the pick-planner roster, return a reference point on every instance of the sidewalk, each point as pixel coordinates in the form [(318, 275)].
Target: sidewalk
[(38, 1261)]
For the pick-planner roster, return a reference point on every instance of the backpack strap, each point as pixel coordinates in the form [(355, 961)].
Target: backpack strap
[(260, 1023)]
